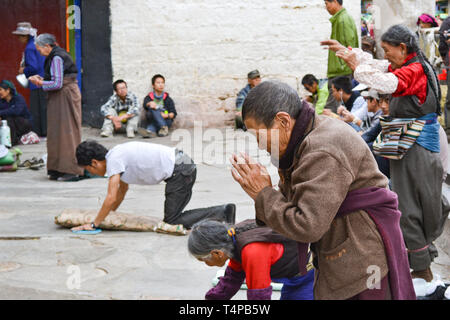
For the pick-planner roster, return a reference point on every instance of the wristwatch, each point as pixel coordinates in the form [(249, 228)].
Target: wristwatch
[(93, 226)]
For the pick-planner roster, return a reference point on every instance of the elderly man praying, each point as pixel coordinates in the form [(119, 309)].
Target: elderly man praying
[(331, 195)]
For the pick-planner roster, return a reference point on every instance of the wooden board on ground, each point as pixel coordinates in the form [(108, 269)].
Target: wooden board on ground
[(70, 218)]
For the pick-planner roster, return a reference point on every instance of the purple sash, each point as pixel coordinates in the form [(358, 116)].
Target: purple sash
[(382, 206)]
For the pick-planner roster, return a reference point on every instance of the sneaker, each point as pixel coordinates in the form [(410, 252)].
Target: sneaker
[(163, 132), (105, 134), (130, 133), (146, 133)]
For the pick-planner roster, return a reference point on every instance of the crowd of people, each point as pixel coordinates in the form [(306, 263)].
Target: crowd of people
[(361, 164)]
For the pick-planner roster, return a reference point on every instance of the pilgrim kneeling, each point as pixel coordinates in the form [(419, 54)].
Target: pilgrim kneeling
[(148, 164), (257, 254)]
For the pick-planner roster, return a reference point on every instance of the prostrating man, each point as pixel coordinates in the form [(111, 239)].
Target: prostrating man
[(319, 90), (254, 79), (159, 110), (344, 30), (148, 164), (121, 108), (331, 195)]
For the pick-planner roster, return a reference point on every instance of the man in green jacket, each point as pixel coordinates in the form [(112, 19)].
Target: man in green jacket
[(319, 90), (344, 30)]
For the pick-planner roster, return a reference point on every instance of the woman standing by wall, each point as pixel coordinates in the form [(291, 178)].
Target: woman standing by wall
[(63, 109), (33, 64)]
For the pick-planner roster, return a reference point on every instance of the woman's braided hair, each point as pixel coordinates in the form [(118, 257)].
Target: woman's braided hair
[(398, 34)]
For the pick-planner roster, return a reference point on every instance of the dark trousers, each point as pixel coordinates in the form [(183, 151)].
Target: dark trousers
[(179, 192), (38, 108), (18, 126), (155, 120)]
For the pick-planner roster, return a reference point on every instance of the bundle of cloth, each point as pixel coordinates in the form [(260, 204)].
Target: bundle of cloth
[(70, 218)]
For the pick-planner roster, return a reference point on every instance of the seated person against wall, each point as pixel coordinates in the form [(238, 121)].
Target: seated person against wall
[(257, 254), (341, 89), (254, 79), (14, 110), (319, 90), (121, 110), (159, 110), (374, 112)]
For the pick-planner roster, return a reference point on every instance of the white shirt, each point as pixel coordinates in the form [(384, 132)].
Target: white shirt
[(141, 163)]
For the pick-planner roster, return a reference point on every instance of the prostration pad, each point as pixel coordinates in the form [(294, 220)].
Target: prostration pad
[(70, 218), (88, 232)]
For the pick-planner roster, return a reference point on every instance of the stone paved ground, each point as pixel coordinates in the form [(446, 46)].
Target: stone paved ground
[(36, 256)]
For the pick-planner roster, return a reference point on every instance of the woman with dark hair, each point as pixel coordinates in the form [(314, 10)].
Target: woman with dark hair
[(257, 254), (63, 109), (13, 109), (410, 136)]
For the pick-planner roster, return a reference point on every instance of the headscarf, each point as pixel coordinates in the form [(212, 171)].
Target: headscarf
[(426, 18), (6, 84)]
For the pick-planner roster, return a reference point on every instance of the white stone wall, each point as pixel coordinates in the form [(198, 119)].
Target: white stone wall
[(205, 48), (390, 12)]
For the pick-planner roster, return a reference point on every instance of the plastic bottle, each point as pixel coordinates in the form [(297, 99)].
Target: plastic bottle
[(5, 134)]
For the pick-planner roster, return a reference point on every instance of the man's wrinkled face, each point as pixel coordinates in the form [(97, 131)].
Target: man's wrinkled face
[(264, 136), (274, 139)]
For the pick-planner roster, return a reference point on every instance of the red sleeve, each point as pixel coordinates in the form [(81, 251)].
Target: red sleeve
[(412, 81), (235, 265), (257, 260)]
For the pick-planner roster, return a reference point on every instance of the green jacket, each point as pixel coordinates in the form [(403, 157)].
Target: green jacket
[(321, 96), (343, 29)]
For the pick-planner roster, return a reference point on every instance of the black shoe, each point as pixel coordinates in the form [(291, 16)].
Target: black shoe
[(67, 177), (230, 213), (53, 175)]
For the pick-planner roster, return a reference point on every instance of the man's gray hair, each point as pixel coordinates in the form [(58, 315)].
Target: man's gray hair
[(46, 38), (269, 98), (209, 235)]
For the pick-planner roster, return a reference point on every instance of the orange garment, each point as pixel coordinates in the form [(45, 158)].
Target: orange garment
[(412, 80), (257, 260)]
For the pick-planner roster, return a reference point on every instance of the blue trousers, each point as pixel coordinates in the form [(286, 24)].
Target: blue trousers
[(297, 288), (156, 121)]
